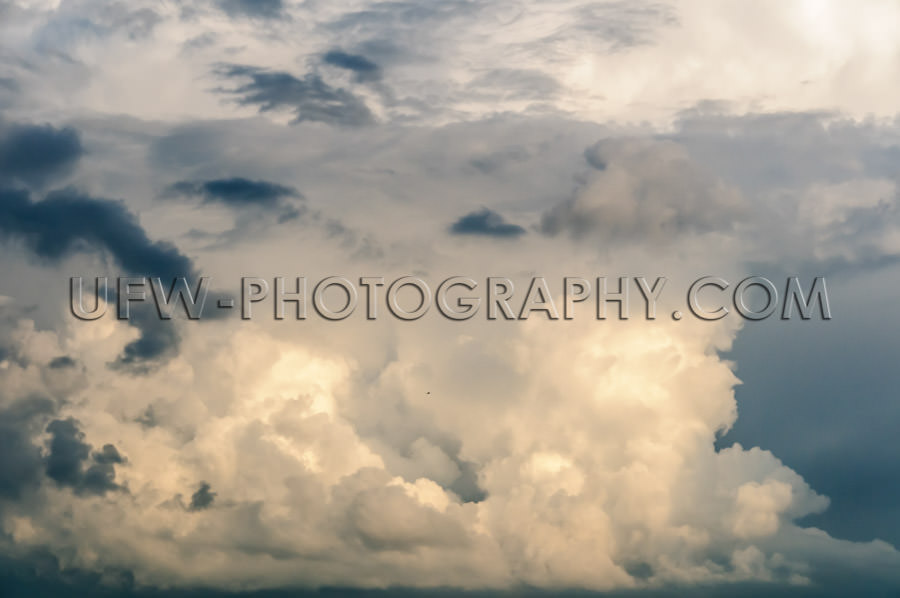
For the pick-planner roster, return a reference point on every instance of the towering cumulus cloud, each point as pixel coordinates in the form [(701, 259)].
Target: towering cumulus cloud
[(275, 455)]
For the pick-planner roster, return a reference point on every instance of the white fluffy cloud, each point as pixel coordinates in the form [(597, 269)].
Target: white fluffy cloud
[(587, 475)]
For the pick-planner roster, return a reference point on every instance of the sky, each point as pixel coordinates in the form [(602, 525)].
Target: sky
[(382, 456)]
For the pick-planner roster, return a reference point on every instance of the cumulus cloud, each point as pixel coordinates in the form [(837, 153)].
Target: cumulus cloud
[(419, 453), (586, 484)]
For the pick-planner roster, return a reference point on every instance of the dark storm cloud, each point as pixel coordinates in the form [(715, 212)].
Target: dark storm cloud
[(486, 222), (71, 464), (69, 221), (159, 339), (35, 154), (309, 98), (362, 67), (236, 192), (21, 462), (265, 9), (203, 498), (68, 452)]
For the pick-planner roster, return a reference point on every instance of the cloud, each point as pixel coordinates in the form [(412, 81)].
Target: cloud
[(515, 84), (300, 433), (67, 222), (644, 191), (63, 361), (251, 200), (36, 154), (68, 462), (626, 24), (69, 454), (618, 485), (21, 465), (388, 519), (487, 223), (203, 498), (305, 482), (823, 194), (362, 68), (309, 98), (265, 9), (461, 455), (237, 192)]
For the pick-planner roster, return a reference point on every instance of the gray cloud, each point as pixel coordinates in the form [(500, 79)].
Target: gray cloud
[(36, 154), (237, 192), (203, 498), (63, 361), (362, 68), (641, 190), (624, 25), (487, 223), (510, 83), (70, 461), (398, 19), (266, 9), (766, 151), (251, 200), (68, 221), (823, 189), (21, 463), (310, 98)]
